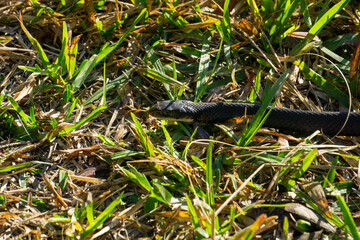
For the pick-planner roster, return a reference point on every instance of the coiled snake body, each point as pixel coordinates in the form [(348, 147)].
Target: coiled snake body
[(280, 118)]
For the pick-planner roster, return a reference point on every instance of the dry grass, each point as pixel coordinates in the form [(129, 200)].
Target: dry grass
[(73, 165)]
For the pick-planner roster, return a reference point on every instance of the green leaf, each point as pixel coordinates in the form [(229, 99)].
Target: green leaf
[(119, 81), (192, 211), (61, 59), (16, 107), (199, 162), (255, 10), (101, 218), (84, 72), (285, 228), (63, 179), (105, 139), (161, 77), (90, 209), (96, 59), (161, 192), (168, 139), (71, 109), (335, 56), (267, 7), (2, 95), (143, 137), (306, 14), (305, 163), (327, 86), (42, 55), (125, 154), (86, 119), (348, 219), (156, 65), (326, 18), (319, 25), (137, 177), (106, 51), (256, 86), (202, 79), (262, 113), (209, 176), (332, 172), (226, 23), (17, 166), (283, 17)]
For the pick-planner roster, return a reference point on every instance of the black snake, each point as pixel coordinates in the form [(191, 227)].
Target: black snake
[(280, 118)]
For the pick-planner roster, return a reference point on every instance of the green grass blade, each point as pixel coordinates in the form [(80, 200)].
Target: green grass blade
[(188, 144), (326, 18), (348, 219), (306, 14), (71, 55), (111, 48), (336, 56), (284, 16), (168, 139), (202, 79), (71, 109), (103, 99), (255, 10), (226, 23), (83, 73), (161, 77), (256, 86), (105, 139), (32, 115), (63, 179), (156, 64), (2, 95), (143, 137), (17, 166), (340, 40), (332, 173), (327, 86), (309, 158), (267, 7), (86, 119), (90, 209), (199, 162), (61, 59), (161, 192), (319, 25), (308, 200), (324, 9), (16, 107), (124, 154), (96, 59), (137, 177), (101, 218), (192, 211), (42, 55), (154, 60), (119, 81), (285, 229), (259, 119), (209, 176), (228, 224)]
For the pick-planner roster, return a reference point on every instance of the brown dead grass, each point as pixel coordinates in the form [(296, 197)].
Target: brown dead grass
[(93, 174)]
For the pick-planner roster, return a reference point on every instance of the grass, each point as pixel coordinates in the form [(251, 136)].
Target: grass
[(80, 158)]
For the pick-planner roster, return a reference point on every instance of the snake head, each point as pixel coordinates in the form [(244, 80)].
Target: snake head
[(180, 110)]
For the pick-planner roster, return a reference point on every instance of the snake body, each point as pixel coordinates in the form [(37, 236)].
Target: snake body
[(280, 118)]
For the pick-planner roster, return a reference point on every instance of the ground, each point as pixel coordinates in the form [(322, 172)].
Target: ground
[(80, 156)]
